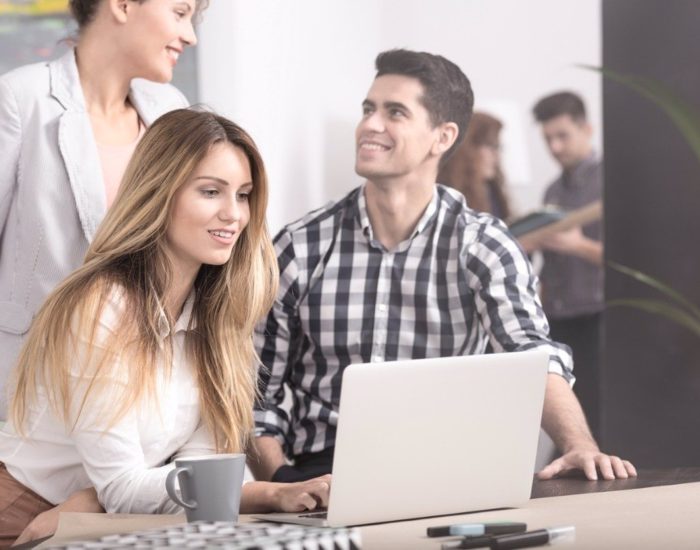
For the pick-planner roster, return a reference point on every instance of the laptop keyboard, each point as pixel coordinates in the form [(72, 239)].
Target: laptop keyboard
[(221, 534)]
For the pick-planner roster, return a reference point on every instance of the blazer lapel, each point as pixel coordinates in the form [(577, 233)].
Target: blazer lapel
[(76, 142), (145, 102)]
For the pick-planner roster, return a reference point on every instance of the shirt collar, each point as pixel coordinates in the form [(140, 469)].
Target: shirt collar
[(577, 175), (182, 322), (423, 222)]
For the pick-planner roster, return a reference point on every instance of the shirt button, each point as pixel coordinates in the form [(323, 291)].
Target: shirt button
[(382, 307), (377, 359)]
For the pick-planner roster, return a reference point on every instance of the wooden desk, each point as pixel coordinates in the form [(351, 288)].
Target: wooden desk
[(647, 478), (658, 514), (606, 514)]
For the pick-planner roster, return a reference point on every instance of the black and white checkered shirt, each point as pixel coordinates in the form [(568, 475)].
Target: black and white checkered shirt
[(458, 283)]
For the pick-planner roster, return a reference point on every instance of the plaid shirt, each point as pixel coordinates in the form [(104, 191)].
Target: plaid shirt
[(458, 283)]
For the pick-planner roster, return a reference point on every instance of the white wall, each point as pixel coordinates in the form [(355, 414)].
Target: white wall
[(294, 73)]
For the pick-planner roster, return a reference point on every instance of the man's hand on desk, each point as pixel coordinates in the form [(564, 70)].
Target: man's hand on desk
[(591, 461), (45, 524), (564, 421)]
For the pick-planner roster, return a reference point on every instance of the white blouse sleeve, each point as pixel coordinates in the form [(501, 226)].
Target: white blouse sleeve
[(114, 461), (112, 453), (201, 443)]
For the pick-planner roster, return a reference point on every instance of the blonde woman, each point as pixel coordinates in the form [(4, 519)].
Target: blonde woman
[(145, 352), (67, 130)]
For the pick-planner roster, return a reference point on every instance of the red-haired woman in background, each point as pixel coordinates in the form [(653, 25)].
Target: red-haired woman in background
[(475, 168)]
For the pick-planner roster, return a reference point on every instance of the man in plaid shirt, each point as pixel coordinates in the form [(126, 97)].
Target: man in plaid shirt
[(401, 268)]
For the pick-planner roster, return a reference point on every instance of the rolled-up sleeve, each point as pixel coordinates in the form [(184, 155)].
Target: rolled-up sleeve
[(506, 297)]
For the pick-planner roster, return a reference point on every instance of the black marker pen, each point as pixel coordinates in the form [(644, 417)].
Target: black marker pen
[(533, 538), (483, 541), (477, 529)]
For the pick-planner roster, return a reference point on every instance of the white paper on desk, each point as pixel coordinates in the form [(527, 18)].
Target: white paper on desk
[(79, 526)]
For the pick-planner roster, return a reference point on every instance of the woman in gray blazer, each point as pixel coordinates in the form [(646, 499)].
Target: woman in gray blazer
[(54, 117)]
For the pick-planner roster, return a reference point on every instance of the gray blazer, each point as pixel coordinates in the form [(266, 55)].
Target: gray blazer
[(51, 189)]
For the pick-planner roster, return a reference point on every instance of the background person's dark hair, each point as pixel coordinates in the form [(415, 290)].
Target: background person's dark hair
[(560, 103), (83, 11), (447, 96)]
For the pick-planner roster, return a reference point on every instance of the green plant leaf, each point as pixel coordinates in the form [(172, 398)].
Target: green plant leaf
[(658, 285), (659, 307), (684, 115), (687, 119)]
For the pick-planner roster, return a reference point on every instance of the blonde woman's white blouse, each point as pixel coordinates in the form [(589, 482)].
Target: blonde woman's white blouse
[(127, 463)]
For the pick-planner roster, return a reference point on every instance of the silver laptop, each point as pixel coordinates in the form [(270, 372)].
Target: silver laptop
[(432, 437)]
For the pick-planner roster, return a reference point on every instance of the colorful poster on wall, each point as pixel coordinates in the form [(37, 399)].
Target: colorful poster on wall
[(33, 7), (33, 31)]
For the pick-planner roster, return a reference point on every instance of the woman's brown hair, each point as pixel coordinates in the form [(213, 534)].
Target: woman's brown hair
[(461, 171)]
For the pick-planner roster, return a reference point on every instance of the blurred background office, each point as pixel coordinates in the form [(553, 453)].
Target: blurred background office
[(295, 73)]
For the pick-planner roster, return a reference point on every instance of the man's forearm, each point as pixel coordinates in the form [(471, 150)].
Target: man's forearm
[(563, 418), (565, 423), (574, 243), (265, 456), (591, 251)]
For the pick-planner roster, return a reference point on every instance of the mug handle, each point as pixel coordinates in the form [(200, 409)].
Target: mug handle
[(170, 487)]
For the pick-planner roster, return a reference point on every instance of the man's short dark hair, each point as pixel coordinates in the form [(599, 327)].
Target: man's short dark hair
[(561, 103), (447, 95)]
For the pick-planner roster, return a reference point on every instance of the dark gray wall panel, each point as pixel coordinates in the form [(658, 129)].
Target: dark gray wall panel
[(651, 383)]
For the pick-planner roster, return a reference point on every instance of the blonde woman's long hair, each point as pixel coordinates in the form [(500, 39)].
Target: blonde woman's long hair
[(129, 253)]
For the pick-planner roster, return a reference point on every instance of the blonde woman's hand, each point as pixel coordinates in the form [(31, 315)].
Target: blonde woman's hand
[(46, 523), (303, 495)]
